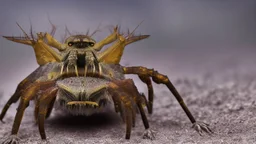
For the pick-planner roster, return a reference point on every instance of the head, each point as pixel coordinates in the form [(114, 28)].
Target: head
[(80, 42)]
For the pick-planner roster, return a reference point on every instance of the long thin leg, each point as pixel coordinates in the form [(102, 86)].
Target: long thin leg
[(163, 79), (160, 79), (148, 82), (129, 122), (126, 93), (148, 134), (143, 115), (15, 97), (125, 99), (26, 96), (44, 103)]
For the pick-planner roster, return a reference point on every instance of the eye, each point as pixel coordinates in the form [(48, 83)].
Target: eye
[(91, 43), (70, 43)]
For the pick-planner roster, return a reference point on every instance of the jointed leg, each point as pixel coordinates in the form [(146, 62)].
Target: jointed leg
[(163, 79), (45, 101), (15, 97), (127, 98), (28, 94), (125, 106), (49, 109), (148, 134), (148, 82)]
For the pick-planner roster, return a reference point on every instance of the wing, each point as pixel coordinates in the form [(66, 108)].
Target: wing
[(44, 53), (114, 53)]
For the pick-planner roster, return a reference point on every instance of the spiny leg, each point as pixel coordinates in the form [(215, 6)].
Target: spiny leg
[(26, 96), (163, 79), (45, 101)]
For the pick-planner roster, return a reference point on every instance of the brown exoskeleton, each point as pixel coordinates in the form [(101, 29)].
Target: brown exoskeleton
[(82, 80)]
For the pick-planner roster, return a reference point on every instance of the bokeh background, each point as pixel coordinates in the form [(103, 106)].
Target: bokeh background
[(186, 36), (206, 47)]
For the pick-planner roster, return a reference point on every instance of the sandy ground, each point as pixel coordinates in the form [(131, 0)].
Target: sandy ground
[(224, 98)]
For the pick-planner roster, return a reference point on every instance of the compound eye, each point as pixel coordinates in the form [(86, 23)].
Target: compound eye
[(91, 44), (70, 44)]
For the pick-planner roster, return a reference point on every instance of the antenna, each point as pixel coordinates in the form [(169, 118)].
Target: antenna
[(134, 29), (26, 35)]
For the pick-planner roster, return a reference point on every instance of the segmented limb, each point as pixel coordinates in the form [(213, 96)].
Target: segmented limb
[(163, 79), (114, 53), (49, 109), (26, 96), (51, 41), (15, 97), (148, 134), (127, 99), (45, 101), (126, 102), (109, 39), (148, 82)]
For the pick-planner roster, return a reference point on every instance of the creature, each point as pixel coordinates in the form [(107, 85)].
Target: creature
[(81, 79)]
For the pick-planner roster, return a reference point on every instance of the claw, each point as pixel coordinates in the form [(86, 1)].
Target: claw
[(201, 127), (67, 69), (73, 66), (76, 70), (149, 134), (62, 68), (85, 70), (12, 139)]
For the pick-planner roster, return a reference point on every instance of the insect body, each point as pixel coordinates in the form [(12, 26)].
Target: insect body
[(81, 79)]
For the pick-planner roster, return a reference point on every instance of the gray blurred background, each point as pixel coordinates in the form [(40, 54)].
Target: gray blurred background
[(187, 37), (206, 47)]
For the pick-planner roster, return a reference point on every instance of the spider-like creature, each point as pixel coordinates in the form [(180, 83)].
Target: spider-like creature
[(81, 79)]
